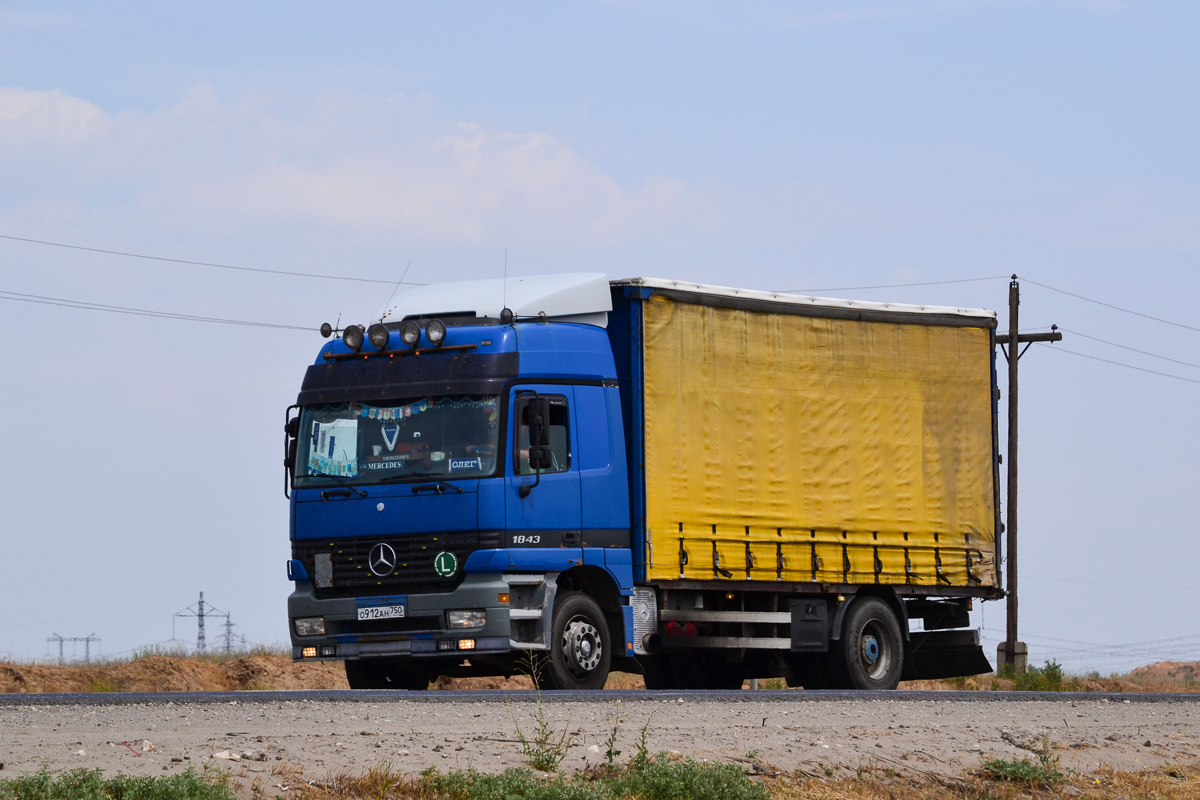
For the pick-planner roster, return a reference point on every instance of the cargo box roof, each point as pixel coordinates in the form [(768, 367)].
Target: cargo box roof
[(821, 306)]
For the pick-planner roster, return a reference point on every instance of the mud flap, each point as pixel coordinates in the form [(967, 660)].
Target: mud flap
[(930, 655)]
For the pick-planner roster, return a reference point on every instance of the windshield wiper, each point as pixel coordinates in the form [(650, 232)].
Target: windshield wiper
[(407, 475), (355, 489), (439, 486)]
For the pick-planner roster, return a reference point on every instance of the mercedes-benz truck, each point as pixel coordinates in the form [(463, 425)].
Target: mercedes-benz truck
[(571, 476)]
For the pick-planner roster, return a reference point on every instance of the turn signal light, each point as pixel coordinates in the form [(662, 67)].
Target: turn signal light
[(309, 652), (466, 644), (503, 597)]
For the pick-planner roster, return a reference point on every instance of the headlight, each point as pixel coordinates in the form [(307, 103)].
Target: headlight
[(435, 332), (378, 334), (466, 619), (410, 333), (352, 337), (309, 626)]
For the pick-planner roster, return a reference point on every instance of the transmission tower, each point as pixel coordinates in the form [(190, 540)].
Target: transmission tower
[(229, 626), (87, 645), (200, 645), (200, 611)]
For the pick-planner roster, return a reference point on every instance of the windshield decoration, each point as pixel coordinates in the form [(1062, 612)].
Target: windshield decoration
[(334, 449), (431, 437)]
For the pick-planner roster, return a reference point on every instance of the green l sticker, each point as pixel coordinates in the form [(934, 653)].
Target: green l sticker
[(445, 564)]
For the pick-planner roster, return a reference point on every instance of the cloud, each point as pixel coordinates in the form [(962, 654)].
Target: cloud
[(52, 114), (392, 165)]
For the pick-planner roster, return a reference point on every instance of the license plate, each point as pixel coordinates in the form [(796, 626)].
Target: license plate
[(380, 612)]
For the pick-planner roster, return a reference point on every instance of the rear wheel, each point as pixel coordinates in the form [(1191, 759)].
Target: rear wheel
[(580, 646), (383, 675), (870, 654)]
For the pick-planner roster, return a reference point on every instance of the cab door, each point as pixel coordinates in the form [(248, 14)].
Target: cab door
[(543, 507)]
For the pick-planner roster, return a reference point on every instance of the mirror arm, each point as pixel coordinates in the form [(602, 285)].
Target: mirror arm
[(526, 488)]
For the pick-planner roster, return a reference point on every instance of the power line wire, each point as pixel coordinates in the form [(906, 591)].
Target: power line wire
[(1131, 349), (891, 285), (1114, 307), (1118, 363), (140, 312), (202, 263)]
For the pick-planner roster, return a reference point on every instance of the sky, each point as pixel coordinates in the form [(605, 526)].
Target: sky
[(813, 146)]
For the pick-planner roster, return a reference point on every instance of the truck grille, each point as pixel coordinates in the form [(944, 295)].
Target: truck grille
[(414, 555)]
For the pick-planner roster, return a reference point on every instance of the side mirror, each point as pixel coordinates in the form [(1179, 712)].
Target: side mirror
[(539, 440), (291, 429), (539, 457)]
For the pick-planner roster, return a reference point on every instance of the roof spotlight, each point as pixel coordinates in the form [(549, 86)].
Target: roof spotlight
[(379, 336), (326, 330), (435, 331), (410, 333), (352, 337)]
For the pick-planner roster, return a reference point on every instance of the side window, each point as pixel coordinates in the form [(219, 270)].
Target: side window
[(560, 453)]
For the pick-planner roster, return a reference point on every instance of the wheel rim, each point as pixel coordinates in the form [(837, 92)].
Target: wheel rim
[(582, 646), (874, 654)]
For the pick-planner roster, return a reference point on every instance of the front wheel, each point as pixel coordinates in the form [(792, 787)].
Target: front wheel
[(870, 654), (580, 646)]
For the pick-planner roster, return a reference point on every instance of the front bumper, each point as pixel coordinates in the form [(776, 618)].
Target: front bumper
[(423, 632)]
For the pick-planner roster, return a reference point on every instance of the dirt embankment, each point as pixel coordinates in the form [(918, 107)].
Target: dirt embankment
[(277, 671), (174, 674)]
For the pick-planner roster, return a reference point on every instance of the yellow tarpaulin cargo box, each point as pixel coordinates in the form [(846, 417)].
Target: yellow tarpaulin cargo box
[(818, 445)]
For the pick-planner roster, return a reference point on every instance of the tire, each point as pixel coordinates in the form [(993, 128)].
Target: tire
[(580, 645), (383, 675), (870, 654)]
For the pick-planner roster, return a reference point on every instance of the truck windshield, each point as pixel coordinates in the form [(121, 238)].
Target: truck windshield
[(441, 437)]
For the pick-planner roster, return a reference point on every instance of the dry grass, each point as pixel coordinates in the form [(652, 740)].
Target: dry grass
[(1179, 781)]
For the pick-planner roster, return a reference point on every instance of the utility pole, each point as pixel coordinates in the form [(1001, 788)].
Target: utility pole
[(1012, 651), (228, 634), (60, 640)]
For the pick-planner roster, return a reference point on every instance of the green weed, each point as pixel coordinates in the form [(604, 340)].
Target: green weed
[(545, 749), (101, 684), (660, 778), (90, 784), (1049, 678)]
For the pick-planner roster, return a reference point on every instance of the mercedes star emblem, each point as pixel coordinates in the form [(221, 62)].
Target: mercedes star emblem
[(382, 560)]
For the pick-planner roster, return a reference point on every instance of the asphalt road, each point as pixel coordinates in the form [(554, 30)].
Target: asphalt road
[(313, 733)]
